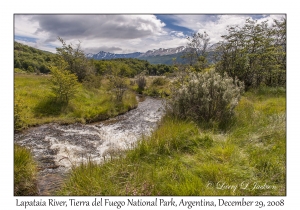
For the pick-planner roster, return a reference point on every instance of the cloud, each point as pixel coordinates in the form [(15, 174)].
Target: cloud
[(215, 25), (177, 34), (93, 31), (123, 33), (38, 45), (215, 29), (24, 27), (99, 26)]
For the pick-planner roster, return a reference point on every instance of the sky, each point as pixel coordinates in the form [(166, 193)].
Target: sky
[(124, 33)]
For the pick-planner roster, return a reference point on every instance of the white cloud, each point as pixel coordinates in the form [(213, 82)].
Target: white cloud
[(165, 42), (25, 27), (215, 25), (215, 29), (38, 46), (177, 34), (121, 33)]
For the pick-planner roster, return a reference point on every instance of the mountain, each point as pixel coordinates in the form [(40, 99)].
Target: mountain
[(164, 59), (163, 51), (107, 55), (155, 56)]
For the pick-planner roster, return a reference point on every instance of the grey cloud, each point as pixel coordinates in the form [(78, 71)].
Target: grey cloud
[(103, 48), (98, 26)]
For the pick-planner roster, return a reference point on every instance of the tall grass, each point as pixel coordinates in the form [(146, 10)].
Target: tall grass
[(25, 170), (157, 86), (88, 104), (183, 158)]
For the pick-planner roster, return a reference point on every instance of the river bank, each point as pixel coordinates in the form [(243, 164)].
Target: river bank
[(183, 158), (57, 148), (35, 104)]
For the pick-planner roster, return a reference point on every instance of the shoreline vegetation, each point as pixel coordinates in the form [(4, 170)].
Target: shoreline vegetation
[(247, 158), (183, 158), (36, 105), (25, 172)]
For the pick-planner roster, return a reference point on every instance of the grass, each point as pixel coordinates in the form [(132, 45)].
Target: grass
[(156, 86), (36, 105), (184, 158), (25, 170)]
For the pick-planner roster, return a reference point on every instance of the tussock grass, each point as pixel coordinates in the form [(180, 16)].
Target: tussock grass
[(183, 158), (88, 105), (25, 170), (157, 86)]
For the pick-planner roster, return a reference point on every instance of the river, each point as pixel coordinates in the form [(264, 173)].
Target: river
[(57, 148)]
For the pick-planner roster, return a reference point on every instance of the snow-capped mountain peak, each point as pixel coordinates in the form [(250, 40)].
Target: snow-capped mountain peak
[(155, 52)]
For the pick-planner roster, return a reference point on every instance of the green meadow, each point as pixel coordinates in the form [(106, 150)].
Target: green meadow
[(35, 100)]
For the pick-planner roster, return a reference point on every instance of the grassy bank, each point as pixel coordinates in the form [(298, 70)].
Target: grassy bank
[(34, 103), (183, 158), (156, 86), (25, 170)]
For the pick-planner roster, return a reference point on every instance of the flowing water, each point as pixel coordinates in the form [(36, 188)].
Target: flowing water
[(57, 148)]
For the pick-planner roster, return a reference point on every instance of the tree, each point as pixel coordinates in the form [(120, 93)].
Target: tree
[(196, 50), (30, 59), (279, 35), (64, 84), (253, 54), (76, 60)]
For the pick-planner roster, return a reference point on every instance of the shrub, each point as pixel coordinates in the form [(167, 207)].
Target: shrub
[(64, 84), (118, 86), (206, 97), (92, 81), (75, 59), (141, 82), (152, 91), (159, 81)]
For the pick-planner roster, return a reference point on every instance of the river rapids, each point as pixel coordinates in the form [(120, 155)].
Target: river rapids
[(57, 148)]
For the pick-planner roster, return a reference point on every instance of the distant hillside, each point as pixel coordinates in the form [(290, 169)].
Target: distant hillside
[(31, 59), (156, 56), (107, 55), (169, 59), (164, 59)]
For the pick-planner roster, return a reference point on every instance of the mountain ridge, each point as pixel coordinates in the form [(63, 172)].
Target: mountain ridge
[(150, 53), (155, 56)]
